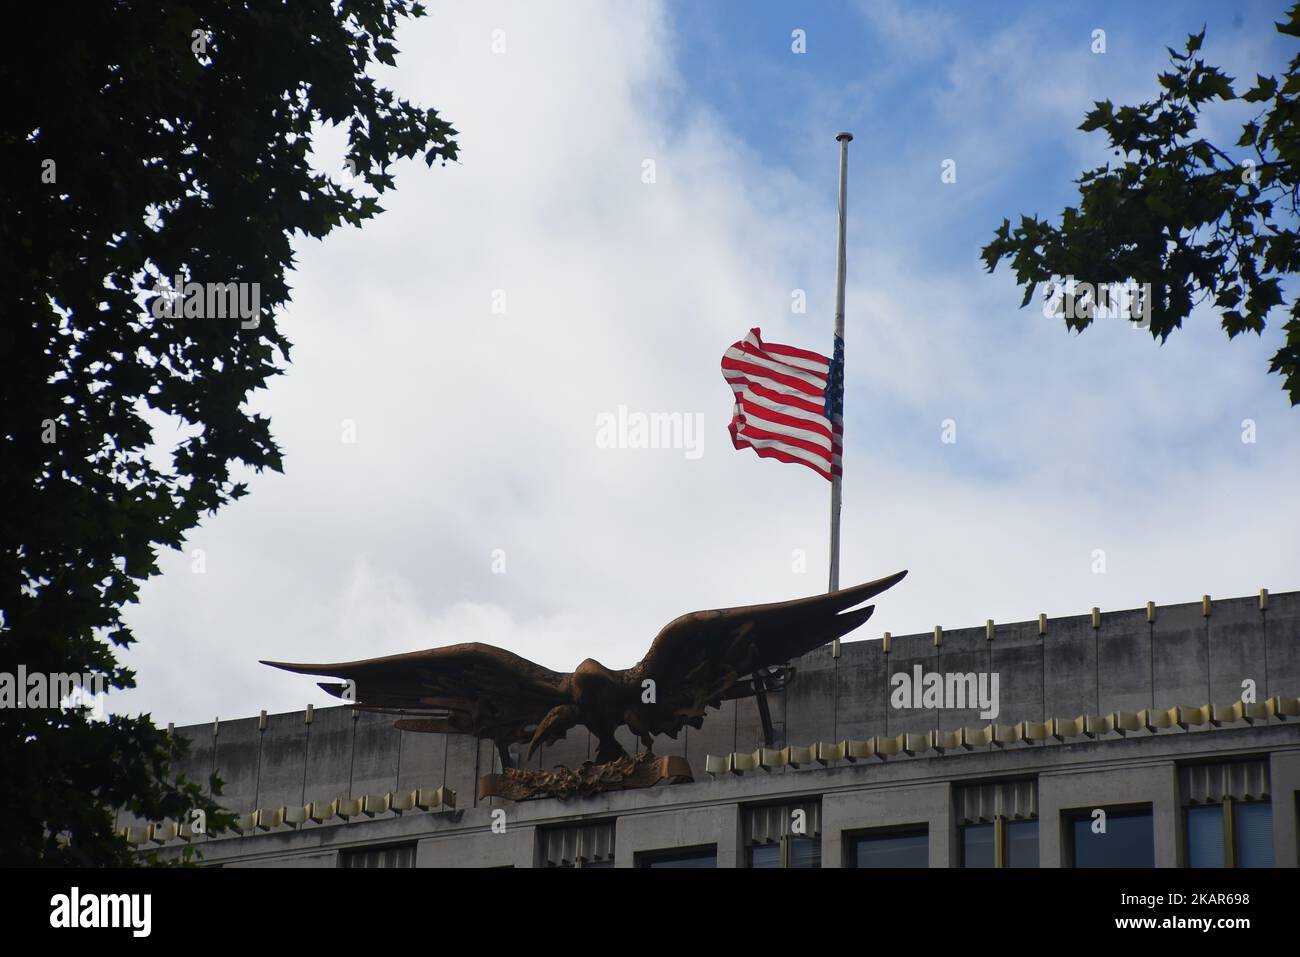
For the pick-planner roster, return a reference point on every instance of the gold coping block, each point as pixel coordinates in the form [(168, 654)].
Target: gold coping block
[(266, 818), (163, 831), (400, 801), (881, 746), (318, 812), (886, 746), (429, 798), (915, 743), (773, 758), (373, 804), (321, 811), (1123, 721), (1096, 617), (799, 756), (1027, 732), (1193, 716), (938, 635), (825, 753), (1042, 624), (988, 629), (860, 749), (1062, 728), (945, 740), (1035, 730), (742, 762)]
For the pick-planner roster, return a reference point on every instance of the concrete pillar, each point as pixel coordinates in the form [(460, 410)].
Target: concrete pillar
[(1284, 774), (1085, 789), (844, 814), (681, 828)]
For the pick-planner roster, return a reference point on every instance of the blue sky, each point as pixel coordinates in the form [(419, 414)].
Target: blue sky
[(475, 502), (891, 72)]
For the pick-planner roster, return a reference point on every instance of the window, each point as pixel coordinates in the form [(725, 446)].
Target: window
[(998, 824), (1227, 813), (693, 857), (1205, 846), (978, 845), (784, 835), (1252, 834), (1022, 843), (383, 855), (1127, 841), (903, 848), (1230, 834), (590, 844)]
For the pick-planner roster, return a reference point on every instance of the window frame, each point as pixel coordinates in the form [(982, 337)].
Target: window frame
[(1228, 821), (850, 839), (646, 859), (1137, 809), (786, 842)]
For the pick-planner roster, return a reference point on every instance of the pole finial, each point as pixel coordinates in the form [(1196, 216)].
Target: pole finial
[(844, 137)]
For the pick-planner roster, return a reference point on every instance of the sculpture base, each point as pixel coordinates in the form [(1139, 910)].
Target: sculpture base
[(637, 771)]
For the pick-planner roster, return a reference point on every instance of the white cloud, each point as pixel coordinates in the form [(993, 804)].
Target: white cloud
[(476, 431)]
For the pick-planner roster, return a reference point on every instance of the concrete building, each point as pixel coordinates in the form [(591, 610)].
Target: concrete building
[(1162, 736)]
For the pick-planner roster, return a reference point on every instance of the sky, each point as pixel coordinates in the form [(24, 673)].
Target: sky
[(639, 185)]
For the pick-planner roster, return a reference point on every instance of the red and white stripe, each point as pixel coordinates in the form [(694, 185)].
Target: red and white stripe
[(781, 404)]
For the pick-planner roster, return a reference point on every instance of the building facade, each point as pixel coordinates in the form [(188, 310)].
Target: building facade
[(1164, 737)]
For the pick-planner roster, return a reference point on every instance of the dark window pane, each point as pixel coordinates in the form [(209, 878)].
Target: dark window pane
[(806, 852), (906, 849), (1253, 824), (1022, 844), (1205, 836), (1129, 841), (707, 858), (765, 855), (392, 855), (977, 848)]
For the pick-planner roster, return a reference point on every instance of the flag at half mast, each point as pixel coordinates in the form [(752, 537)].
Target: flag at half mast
[(789, 402)]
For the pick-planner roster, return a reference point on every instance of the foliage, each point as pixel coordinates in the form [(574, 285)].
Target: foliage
[(146, 140), (1180, 213)]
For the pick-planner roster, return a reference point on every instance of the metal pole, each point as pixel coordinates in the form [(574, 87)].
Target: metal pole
[(844, 139)]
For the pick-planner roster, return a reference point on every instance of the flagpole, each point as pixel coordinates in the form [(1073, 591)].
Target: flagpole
[(843, 139)]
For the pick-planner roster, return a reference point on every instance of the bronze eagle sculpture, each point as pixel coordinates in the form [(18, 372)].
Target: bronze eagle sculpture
[(696, 662)]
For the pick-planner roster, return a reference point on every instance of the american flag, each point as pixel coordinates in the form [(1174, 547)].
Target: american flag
[(789, 402)]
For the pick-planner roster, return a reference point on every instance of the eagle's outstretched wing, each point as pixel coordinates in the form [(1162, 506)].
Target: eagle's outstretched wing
[(698, 659), (469, 688)]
